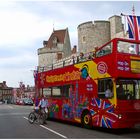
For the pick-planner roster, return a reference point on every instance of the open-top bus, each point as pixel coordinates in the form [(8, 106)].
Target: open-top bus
[(76, 89)]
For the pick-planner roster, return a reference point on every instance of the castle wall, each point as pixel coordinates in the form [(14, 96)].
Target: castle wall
[(92, 35), (46, 57), (116, 27)]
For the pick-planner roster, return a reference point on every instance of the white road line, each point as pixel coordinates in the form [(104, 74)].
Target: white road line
[(53, 131), (25, 118), (50, 130), (11, 107)]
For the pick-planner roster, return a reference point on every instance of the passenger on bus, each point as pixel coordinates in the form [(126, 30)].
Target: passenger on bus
[(120, 91), (108, 93), (91, 55), (81, 57), (72, 59)]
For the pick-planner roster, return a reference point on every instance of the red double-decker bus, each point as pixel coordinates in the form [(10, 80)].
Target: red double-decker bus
[(102, 89)]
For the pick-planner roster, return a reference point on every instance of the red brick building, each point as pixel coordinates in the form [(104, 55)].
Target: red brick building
[(5, 92)]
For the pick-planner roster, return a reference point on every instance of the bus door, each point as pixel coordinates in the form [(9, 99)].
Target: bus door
[(67, 101)]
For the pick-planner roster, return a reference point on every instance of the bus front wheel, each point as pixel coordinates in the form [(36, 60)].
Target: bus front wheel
[(86, 119)]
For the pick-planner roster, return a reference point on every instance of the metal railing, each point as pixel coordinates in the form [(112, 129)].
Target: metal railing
[(74, 59)]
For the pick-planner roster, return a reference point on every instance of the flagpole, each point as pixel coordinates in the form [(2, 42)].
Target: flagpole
[(133, 10), (125, 32)]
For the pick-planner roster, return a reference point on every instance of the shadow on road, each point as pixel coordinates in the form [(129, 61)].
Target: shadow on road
[(121, 131)]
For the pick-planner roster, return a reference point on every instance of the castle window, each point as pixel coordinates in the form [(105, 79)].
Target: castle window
[(83, 39), (54, 41), (59, 56)]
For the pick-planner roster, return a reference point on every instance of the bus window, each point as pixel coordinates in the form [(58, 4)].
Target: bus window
[(104, 51), (127, 47), (57, 91), (105, 88), (66, 90), (128, 89), (46, 92)]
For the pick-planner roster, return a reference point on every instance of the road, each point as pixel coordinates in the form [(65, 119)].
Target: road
[(14, 125)]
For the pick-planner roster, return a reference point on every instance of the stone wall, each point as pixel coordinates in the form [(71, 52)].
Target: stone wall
[(116, 27), (95, 34)]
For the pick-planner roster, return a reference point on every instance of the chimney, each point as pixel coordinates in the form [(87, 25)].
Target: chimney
[(45, 43), (4, 84)]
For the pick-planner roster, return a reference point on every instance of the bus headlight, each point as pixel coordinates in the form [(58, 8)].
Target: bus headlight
[(120, 116)]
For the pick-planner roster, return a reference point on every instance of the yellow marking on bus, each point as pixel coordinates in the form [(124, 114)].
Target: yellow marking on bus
[(94, 74), (134, 58), (77, 120)]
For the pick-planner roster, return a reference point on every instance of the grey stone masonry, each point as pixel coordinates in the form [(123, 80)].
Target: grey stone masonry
[(95, 34), (116, 26)]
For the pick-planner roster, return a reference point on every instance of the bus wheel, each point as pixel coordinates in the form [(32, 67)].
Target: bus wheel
[(86, 119)]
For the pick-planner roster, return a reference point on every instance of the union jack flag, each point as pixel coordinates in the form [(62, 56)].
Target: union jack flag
[(102, 113), (134, 27)]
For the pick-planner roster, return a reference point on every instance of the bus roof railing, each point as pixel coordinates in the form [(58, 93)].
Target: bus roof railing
[(76, 58), (73, 59)]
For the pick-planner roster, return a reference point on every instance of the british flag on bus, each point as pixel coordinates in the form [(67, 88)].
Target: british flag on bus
[(134, 27), (102, 113)]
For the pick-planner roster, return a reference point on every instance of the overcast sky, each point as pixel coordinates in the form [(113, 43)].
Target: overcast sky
[(25, 24)]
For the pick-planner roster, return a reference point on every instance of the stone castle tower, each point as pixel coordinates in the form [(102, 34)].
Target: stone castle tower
[(92, 35), (116, 27)]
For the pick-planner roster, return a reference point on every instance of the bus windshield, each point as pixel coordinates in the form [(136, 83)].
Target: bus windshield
[(129, 48), (128, 89)]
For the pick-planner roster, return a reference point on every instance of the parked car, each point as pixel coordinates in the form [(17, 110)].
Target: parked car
[(19, 102), (1, 102), (28, 101)]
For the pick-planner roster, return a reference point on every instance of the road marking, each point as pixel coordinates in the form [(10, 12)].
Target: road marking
[(11, 107), (50, 130), (53, 131), (25, 118)]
